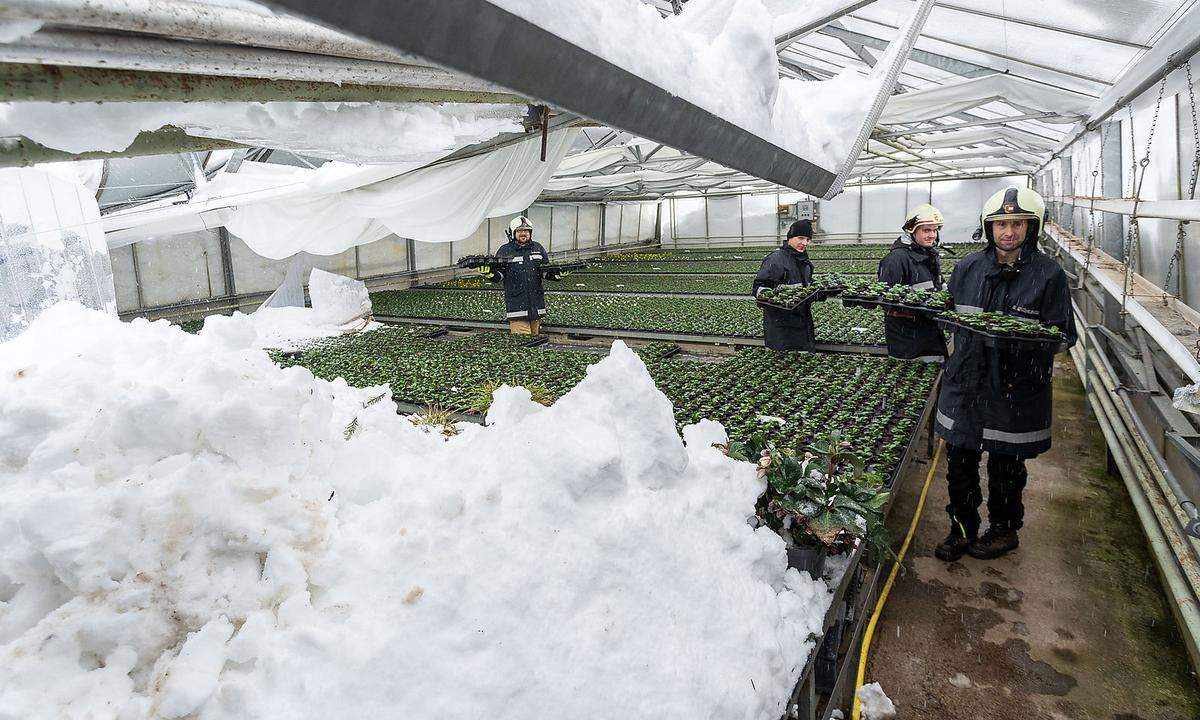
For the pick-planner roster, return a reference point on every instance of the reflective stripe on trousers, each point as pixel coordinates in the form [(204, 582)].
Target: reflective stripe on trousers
[(1000, 435)]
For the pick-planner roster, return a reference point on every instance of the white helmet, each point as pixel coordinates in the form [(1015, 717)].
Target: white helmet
[(922, 215), (520, 222)]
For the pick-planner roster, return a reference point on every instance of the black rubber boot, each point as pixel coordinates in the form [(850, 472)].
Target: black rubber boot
[(953, 547), (994, 543)]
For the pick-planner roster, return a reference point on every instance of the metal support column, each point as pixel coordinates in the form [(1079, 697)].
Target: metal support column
[(226, 260)]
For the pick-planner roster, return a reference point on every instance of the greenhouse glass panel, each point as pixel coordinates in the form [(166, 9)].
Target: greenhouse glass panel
[(612, 224), (562, 223), (760, 218), (384, 257), (179, 268), (432, 255), (839, 216), (689, 218), (725, 218), (883, 208), (649, 222), (589, 225)]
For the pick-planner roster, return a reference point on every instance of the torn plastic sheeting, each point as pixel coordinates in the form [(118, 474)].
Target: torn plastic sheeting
[(442, 203), (1022, 94), (51, 246), (353, 132)]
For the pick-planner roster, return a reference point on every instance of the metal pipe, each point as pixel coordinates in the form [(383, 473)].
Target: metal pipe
[(1169, 485), (124, 52), (55, 83), (23, 152), (201, 21), (1183, 604)]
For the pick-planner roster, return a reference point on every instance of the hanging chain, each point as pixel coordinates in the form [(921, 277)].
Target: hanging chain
[(1092, 224), (1133, 238), (1181, 234)]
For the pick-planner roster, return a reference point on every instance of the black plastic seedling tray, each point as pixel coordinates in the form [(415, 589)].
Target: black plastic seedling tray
[(1004, 342), (817, 295), (889, 304)]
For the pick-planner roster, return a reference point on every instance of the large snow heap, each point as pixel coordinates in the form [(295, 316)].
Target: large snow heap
[(191, 531)]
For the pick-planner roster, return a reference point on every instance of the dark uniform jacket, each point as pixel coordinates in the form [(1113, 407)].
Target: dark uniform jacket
[(918, 337), (524, 298), (784, 330), (1000, 400)]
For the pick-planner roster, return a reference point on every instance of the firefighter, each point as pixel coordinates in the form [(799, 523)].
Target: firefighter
[(913, 260), (519, 265), (789, 265), (999, 400)]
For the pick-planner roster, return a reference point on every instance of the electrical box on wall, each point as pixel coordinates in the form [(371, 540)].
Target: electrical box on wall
[(802, 210)]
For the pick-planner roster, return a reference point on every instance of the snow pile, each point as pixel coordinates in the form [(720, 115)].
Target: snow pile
[(338, 300), (874, 703), (354, 132), (720, 55), (192, 532)]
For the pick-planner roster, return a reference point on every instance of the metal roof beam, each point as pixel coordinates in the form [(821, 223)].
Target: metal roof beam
[(1040, 26), (21, 82), (1001, 56), (23, 152), (793, 35), (975, 123), (516, 54), (941, 62), (856, 47)]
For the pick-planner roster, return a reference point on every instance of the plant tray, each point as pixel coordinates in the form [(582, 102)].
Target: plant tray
[(890, 304), (1004, 342), (817, 295)]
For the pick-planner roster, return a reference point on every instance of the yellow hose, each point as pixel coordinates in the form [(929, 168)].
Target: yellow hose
[(887, 587)]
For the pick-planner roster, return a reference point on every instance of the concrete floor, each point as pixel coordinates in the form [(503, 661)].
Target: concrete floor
[(1073, 624)]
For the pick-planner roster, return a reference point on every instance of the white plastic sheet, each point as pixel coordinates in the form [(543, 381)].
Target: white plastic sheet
[(1016, 92), (51, 247)]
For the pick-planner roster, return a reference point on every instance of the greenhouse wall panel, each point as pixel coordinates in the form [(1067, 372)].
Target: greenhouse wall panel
[(630, 218), (123, 278), (648, 226), (180, 268), (476, 244), (252, 272), (562, 224), (432, 255), (383, 257), (760, 218), (725, 218), (839, 216), (612, 224), (589, 225), (883, 208)]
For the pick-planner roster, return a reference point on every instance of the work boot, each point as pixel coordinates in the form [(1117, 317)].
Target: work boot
[(953, 547), (994, 543)]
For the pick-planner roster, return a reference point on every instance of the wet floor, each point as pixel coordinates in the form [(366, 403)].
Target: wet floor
[(1073, 624)]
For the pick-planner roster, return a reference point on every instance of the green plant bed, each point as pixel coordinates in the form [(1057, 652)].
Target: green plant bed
[(816, 251), (686, 316), (876, 401), (732, 284), (733, 266)]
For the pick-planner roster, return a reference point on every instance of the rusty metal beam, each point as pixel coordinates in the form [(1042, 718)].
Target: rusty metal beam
[(56, 83)]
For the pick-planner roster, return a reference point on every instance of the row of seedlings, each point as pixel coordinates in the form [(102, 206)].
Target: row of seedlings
[(716, 317)]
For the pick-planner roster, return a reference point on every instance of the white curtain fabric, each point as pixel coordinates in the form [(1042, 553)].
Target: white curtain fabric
[(279, 211), (1019, 93)]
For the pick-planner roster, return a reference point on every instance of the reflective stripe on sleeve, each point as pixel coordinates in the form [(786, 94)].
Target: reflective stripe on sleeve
[(517, 314), (930, 358), (944, 421), (967, 308), (927, 285)]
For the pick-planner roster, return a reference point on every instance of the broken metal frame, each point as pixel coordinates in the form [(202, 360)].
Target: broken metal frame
[(564, 74)]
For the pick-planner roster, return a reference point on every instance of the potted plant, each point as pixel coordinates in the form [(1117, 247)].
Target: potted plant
[(820, 501)]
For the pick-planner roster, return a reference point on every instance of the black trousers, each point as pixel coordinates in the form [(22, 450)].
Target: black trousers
[(1006, 481)]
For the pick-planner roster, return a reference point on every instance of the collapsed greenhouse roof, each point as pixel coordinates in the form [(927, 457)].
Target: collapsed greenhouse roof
[(981, 93)]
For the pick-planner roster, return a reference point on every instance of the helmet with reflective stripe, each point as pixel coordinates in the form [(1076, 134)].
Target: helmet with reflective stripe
[(1014, 203), (520, 222), (923, 215)]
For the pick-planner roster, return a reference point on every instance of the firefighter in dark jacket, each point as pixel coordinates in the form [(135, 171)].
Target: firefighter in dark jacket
[(999, 400), (913, 260), (520, 267), (789, 265)]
